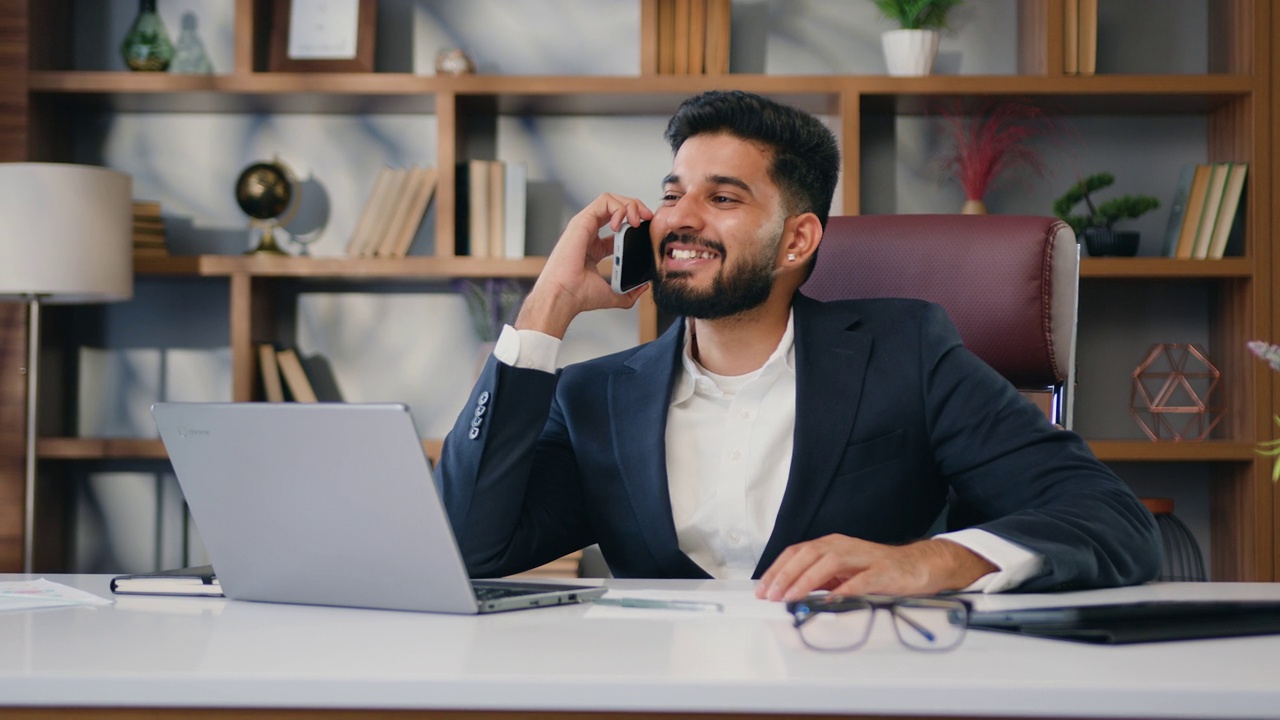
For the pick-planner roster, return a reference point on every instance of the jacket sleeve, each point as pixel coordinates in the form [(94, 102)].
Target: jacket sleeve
[(1016, 475), (508, 477)]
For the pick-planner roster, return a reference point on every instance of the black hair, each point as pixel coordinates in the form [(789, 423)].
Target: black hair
[(806, 157)]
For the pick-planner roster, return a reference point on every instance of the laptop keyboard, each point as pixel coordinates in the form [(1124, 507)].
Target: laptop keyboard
[(490, 592)]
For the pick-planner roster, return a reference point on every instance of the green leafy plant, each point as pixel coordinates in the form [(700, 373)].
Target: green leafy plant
[(491, 303), (917, 14), (1104, 215), (1270, 448)]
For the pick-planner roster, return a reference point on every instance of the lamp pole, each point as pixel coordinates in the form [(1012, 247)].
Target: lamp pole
[(33, 373)]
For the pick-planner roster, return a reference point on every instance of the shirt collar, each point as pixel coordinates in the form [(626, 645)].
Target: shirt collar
[(782, 359)]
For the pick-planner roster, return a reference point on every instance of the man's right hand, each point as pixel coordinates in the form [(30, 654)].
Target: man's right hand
[(571, 283)]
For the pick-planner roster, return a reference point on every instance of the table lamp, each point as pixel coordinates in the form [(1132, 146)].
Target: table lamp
[(66, 236)]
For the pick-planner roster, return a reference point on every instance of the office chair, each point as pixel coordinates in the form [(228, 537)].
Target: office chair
[(1008, 282)]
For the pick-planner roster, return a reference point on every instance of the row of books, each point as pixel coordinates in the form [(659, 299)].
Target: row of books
[(280, 369), (148, 229), (1206, 212), (491, 207), (1080, 37), (692, 36), (393, 212)]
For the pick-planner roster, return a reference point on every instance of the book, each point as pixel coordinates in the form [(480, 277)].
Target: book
[(1177, 209), (513, 227), (1209, 215), (360, 235), (1191, 218), (146, 208), (649, 37), (680, 43), (666, 37), (272, 390), (719, 24), (418, 205), (496, 197), (399, 216), (294, 376), (199, 580), (1229, 212), (1070, 37), (1088, 37), (697, 36), (385, 211), (478, 208)]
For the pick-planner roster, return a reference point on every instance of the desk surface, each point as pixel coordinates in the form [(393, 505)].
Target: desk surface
[(211, 653)]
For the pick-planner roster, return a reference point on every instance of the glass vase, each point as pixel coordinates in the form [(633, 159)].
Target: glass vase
[(146, 47)]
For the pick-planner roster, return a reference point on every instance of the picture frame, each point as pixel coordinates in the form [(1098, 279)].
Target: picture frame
[(318, 36)]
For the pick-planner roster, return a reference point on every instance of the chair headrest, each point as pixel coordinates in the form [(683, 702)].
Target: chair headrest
[(1009, 282)]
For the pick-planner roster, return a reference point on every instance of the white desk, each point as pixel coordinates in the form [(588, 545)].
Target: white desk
[(173, 653)]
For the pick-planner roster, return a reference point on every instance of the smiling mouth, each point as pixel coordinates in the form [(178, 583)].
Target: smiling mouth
[(687, 254)]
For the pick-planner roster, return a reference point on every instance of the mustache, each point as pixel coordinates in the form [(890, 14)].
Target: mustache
[(689, 239)]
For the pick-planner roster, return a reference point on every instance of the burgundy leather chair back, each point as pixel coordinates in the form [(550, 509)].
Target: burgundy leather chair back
[(1008, 282)]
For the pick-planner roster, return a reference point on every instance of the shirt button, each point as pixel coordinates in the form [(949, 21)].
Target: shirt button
[(735, 537), (735, 456), (744, 414)]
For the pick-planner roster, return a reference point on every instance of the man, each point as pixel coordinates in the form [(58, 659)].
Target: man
[(810, 445)]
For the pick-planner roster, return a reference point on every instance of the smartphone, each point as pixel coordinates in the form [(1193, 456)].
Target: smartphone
[(632, 257)]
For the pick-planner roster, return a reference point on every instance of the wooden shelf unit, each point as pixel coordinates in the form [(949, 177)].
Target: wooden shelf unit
[(1238, 97)]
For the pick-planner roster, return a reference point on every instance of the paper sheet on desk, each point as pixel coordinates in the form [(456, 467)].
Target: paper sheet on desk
[(41, 593), (735, 603)]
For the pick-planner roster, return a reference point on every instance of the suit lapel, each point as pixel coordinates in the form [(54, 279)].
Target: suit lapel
[(831, 361), (639, 418)]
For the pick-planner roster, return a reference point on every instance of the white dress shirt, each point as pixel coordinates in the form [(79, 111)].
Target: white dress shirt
[(729, 444)]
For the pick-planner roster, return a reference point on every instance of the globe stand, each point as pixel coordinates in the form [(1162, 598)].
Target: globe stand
[(267, 240)]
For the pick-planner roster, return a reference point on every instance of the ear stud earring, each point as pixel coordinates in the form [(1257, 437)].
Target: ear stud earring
[(791, 257)]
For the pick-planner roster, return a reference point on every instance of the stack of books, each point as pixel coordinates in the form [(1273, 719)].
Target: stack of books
[(1080, 37), (686, 37), (277, 365), (491, 206), (148, 229), (1205, 216), (393, 212)]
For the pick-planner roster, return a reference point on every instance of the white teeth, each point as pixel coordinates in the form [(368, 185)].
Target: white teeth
[(691, 255)]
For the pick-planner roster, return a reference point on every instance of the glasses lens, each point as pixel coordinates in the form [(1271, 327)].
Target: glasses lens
[(930, 624), (844, 629)]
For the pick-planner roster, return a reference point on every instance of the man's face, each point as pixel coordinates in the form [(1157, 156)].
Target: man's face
[(719, 229)]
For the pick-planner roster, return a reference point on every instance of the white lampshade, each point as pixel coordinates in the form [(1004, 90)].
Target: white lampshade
[(66, 233)]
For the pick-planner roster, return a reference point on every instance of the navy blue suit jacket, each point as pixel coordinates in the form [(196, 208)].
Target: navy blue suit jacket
[(893, 417)]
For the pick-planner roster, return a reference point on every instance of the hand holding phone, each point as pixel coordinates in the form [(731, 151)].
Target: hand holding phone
[(633, 263)]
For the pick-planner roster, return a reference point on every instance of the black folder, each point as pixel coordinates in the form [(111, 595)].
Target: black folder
[(1137, 622)]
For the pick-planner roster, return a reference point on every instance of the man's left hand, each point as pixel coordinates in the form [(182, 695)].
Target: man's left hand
[(849, 566)]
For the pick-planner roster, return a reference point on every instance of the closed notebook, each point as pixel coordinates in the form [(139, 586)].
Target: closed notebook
[(1136, 622), (198, 580)]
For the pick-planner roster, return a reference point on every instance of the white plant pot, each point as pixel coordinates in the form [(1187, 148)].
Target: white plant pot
[(910, 52)]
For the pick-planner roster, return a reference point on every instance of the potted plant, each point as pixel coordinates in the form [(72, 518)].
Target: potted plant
[(911, 49), (997, 140), (1096, 226)]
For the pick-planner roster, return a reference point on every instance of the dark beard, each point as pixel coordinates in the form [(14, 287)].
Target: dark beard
[(730, 294)]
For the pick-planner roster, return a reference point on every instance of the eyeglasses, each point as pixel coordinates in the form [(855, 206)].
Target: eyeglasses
[(836, 622)]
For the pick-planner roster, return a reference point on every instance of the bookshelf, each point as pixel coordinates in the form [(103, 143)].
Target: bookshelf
[(1236, 99)]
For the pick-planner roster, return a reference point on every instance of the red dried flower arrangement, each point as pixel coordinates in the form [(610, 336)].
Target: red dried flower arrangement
[(995, 140)]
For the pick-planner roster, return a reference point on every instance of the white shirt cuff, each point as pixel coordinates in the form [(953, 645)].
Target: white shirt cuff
[(1016, 563), (527, 349)]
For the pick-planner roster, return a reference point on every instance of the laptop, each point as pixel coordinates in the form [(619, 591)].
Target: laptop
[(1134, 622), (328, 504)]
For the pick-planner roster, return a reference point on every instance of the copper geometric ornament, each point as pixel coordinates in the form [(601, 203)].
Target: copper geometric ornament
[(1175, 393)]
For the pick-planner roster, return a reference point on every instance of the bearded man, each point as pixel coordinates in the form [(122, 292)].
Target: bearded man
[(767, 435)]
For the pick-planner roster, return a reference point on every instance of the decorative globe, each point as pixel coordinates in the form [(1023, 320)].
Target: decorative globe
[(264, 190)]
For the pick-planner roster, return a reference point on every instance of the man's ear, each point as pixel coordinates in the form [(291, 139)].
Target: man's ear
[(802, 239)]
